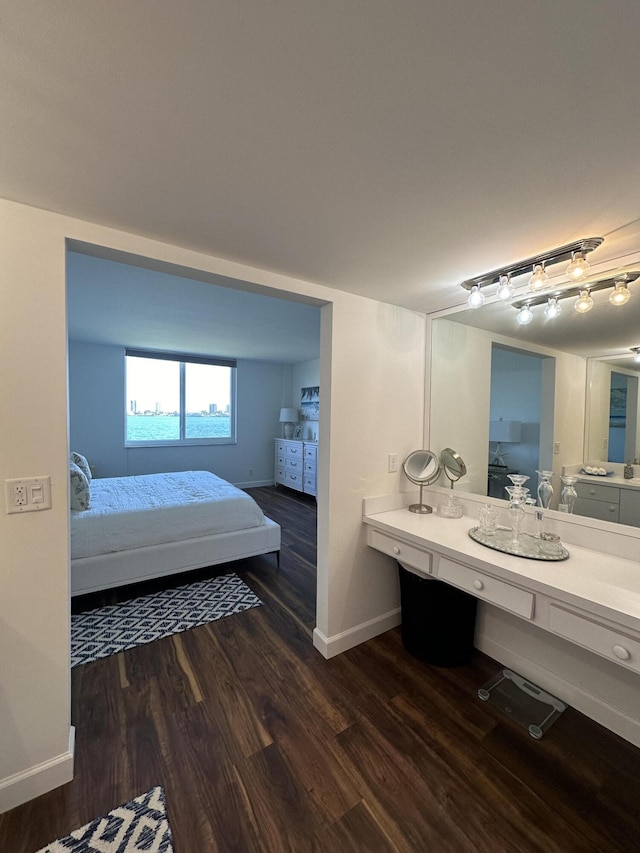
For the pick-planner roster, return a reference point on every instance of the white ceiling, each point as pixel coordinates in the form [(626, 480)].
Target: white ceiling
[(120, 304), (391, 149)]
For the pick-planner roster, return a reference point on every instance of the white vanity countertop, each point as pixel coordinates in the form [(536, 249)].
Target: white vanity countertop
[(598, 582), (610, 480)]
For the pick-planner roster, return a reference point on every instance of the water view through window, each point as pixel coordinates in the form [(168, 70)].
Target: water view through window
[(173, 401)]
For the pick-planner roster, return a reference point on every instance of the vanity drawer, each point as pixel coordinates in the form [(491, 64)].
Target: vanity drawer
[(597, 638), (605, 511), (598, 492), (400, 550), (490, 589)]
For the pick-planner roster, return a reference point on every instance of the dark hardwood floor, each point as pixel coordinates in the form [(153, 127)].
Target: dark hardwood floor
[(262, 745)]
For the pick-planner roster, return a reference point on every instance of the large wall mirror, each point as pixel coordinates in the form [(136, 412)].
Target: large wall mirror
[(554, 393)]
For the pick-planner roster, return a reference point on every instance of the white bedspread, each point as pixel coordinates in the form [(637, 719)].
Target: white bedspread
[(132, 512)]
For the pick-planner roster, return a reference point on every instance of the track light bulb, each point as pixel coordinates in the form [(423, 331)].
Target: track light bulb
[(525, 316), (584, 302), (552, 309), (637, 355), (505, 288), (579, 266), (620, 295), (539, 279), (476, 297)]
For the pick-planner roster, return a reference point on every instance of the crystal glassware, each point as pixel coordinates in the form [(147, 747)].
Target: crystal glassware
[(488, 519), (517, 497), (545, 489), (518, 479), (569, 495)]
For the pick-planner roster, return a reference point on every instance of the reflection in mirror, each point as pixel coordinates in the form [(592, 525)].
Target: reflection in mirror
[(454, 468), (421, 467), (613, 423), (477, 360), (452, 465)]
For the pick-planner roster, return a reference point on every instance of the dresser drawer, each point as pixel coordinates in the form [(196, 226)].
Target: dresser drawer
[(294, 451), (604, 641), (296, 466), (598, 492), (400, 550), (309, 485), (490, 589), (293, 480), (310, 453)]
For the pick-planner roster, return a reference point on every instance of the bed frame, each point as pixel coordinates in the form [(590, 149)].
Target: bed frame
[(118, 568)]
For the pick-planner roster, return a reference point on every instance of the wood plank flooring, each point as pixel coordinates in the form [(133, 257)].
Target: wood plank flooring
[(262, 745)]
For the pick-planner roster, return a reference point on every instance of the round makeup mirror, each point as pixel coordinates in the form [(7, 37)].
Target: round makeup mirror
[(453, 465), (422, 467)]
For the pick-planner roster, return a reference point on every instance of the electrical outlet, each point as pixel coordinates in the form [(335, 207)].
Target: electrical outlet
[(556, 447), (393, 463), (28, 494)]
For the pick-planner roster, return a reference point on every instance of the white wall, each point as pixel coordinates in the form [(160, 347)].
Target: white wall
[(96, 405), (460, 382), (372, 380)]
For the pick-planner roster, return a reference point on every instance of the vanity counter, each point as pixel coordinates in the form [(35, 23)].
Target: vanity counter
[(591, 598)]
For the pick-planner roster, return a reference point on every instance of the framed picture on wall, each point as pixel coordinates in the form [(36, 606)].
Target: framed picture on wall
[(310, 404)]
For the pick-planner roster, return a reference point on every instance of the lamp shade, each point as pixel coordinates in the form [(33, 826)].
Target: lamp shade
[(288, 416), (505, 431)]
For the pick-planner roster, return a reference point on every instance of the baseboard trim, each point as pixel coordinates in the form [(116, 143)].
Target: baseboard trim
[(336, 644), (591, 706), (39, 779)]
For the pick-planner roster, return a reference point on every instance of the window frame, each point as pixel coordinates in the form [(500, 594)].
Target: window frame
[(183, 359)]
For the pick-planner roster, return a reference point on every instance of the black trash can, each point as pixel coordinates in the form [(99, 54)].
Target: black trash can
[(438, 620)]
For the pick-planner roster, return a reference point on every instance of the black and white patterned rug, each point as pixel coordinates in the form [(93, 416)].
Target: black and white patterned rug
[(108, 630), (139, 825)]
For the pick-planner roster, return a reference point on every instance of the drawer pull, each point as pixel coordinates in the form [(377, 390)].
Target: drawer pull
[(621, 652), (395, 549), (592, 491), (478, 584), (613, 508)]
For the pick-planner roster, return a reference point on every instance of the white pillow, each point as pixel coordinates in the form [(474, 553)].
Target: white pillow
[(82, 464), (79, 488)]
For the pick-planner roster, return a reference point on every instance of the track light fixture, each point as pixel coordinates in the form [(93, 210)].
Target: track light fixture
[(476, 297), (584, 302), (636, 350), (505, 288), (539, 279), (537, 268), (579, 266), (552, 309), (525, 315), (620, 295)]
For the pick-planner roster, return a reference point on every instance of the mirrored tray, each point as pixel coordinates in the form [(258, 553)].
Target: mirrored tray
[(528, 546)]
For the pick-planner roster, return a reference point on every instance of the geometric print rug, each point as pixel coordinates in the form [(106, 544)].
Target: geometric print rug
[(112, 629), (138, 825)]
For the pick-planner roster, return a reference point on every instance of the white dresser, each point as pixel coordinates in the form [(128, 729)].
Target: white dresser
[(296, 464)]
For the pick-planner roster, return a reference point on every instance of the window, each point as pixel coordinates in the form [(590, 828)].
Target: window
[(179, 399)]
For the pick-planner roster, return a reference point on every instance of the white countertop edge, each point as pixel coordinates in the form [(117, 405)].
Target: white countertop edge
[(609, 588), (616, 540)]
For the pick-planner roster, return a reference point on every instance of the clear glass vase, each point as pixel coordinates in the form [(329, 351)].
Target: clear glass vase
[(545, 489), (569, 495)]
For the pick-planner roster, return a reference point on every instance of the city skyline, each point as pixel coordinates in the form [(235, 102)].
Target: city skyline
[(154, 383)]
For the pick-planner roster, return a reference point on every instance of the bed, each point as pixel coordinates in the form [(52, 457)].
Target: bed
[(135, 528)]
